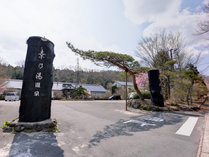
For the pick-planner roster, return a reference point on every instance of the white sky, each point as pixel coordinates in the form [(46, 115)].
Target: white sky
[(113, 25)]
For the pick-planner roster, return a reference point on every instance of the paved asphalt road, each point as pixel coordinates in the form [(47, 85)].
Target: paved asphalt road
[(102, 129)]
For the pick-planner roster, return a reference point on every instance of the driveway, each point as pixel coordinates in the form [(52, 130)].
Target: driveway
[(104, 129)]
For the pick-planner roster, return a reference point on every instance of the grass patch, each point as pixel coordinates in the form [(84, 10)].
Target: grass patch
[(55, 129), (143, 107), (13, 131), (5, 124)]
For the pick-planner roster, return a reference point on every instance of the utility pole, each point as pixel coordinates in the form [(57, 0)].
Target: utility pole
[(126, 91), (77, 73), (172, 52)]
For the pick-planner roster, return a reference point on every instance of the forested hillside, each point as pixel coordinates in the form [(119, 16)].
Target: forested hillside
[(89, 77)]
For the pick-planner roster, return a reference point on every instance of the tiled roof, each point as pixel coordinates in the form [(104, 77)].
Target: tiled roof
[(94, 88), (90, 87), (123, 83), (13, 84)]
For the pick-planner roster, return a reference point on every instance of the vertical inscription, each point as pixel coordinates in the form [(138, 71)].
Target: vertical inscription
[(39, 76)]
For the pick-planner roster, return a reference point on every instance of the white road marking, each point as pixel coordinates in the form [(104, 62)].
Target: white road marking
[(187, 128)]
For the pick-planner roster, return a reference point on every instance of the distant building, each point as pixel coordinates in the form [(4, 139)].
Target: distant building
[(141, 81), (123, 84), (12, 86), (95, 91)]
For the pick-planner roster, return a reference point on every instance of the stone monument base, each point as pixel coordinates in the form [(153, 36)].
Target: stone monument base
[(48, 125)]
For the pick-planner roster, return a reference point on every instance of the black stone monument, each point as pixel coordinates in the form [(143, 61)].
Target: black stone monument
[(155, 88), (35, 103)]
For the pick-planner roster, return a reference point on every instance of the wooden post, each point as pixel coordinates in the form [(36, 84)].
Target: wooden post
[(126, 92)]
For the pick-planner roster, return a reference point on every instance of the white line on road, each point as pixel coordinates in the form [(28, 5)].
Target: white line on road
[(187, 128)]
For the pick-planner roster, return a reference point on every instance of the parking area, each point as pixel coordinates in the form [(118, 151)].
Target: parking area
[(103, 128)]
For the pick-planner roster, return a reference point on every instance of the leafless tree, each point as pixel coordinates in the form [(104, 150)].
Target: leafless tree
[(204, 25), (203, 29), (170, 43), (166, 52)]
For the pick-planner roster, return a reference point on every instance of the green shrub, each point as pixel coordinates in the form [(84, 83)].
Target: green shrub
[(145, 94), (147, 108), (1, 97), (136, 96)]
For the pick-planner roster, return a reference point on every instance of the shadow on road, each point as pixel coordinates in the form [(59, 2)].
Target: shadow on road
[(35, 144), (137, 124)]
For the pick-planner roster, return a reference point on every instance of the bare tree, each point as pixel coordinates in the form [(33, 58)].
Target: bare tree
[(164, 51), (171, 44), (204, 25), (203, 29)]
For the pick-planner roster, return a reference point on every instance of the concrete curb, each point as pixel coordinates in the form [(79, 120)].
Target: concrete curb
[(203, 150)]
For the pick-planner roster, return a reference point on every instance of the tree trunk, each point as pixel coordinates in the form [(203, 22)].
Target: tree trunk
[(189, 96), (168, 86)]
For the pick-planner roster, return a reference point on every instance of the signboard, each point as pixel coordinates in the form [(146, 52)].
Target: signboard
[(37, 81), (155, 88)]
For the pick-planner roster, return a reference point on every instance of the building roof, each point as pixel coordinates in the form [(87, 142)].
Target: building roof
[(56, 85), (89, 87), (120, 83), (13, 84), (94, 88)]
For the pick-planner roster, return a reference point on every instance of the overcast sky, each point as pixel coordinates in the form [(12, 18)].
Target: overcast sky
[(112, 25)]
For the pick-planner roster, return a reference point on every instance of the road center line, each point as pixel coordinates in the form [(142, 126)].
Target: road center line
[(187, 128)]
